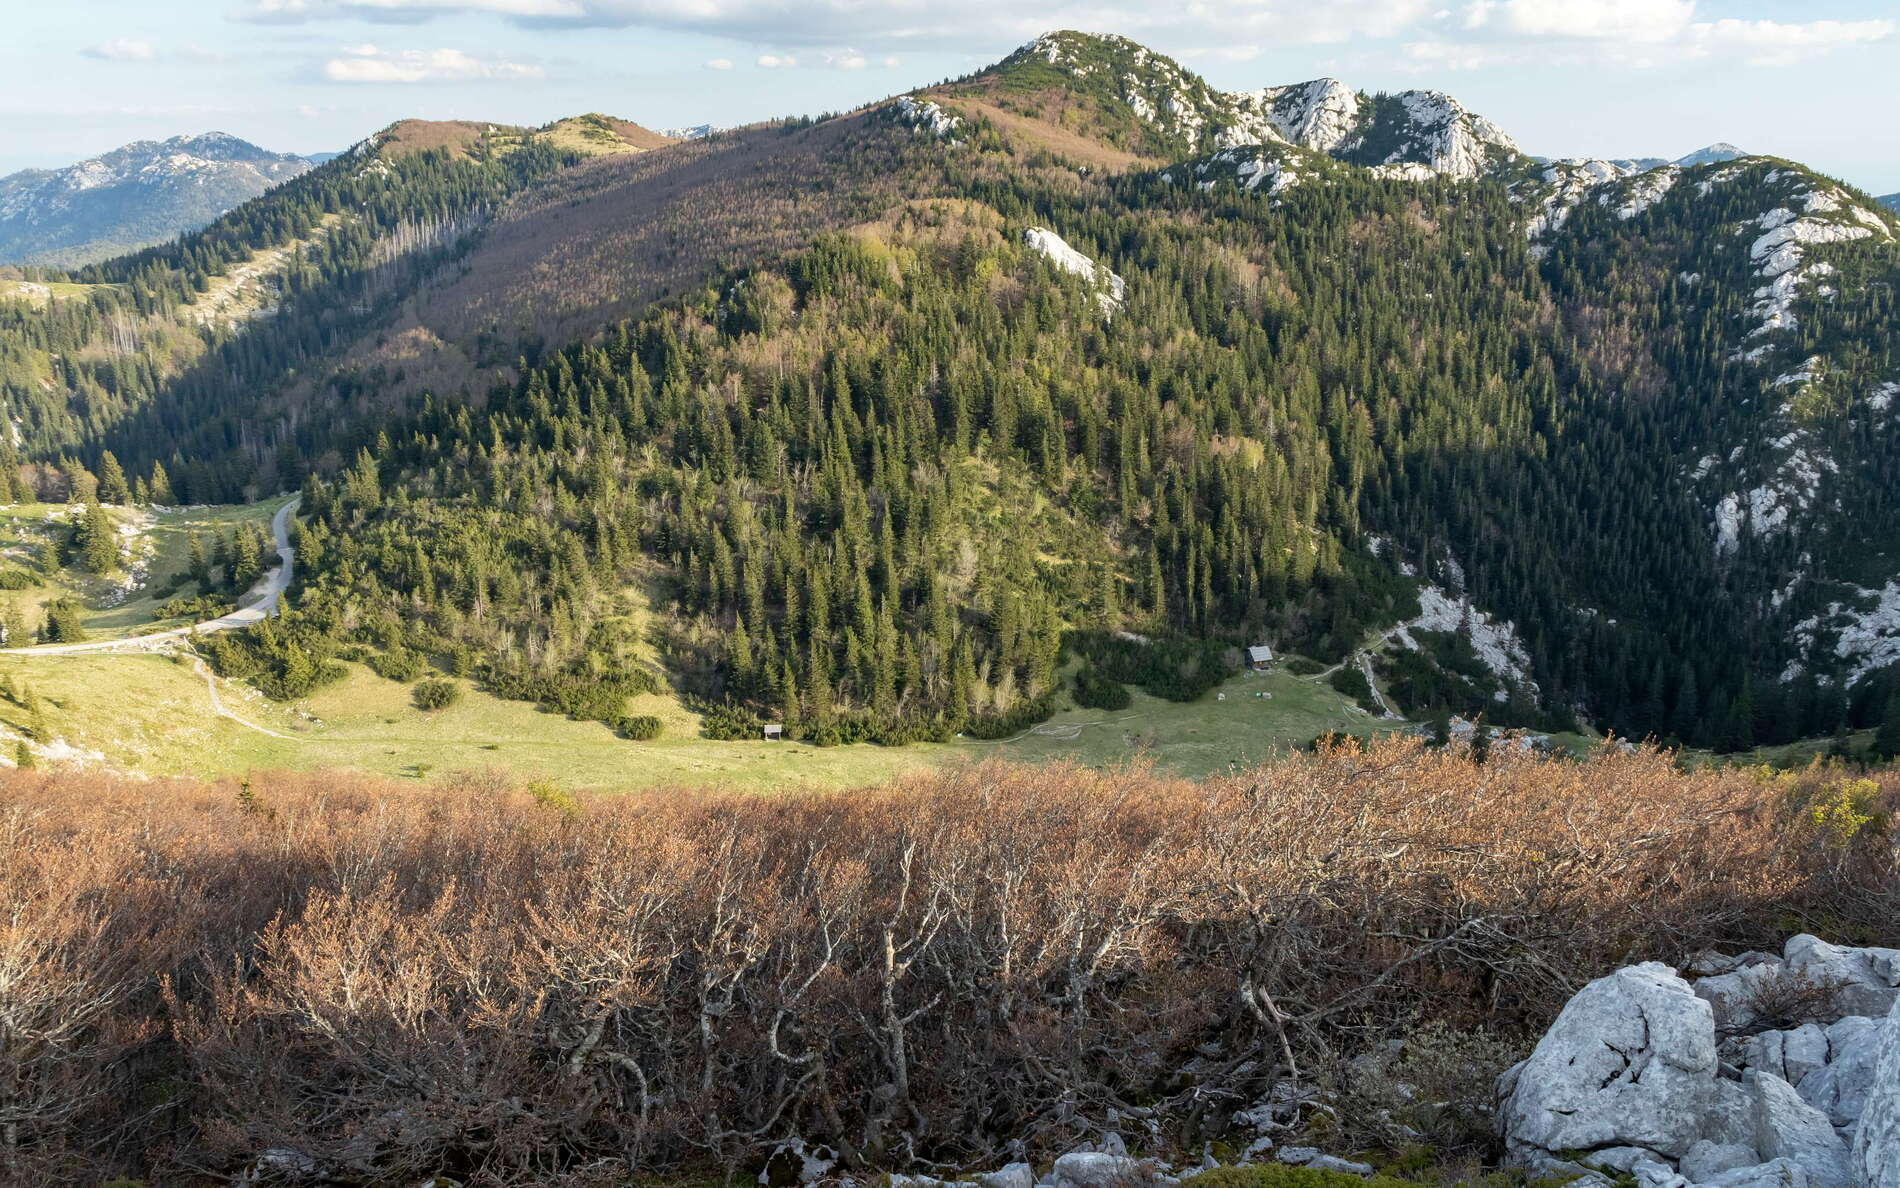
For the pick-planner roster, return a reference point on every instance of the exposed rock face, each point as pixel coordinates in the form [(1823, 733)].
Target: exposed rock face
[(1877, 1137), (1629, 1063), (926, 118), (1111, 288), (1415, 135), (1320, 115), (1678, 1086)]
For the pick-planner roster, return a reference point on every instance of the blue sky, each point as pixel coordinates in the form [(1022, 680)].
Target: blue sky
[(1812, 81)]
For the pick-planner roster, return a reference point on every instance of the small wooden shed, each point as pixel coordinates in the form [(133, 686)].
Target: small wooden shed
[(1260, 657)]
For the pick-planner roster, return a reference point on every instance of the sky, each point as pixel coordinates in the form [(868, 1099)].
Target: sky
[(1812, 81)]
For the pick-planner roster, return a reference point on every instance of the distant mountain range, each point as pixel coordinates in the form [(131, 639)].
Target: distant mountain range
[(1891, 202), (132, 197)]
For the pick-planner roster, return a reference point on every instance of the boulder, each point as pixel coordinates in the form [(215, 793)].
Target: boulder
[(1840, 1087), (1787, 1127), (1869, 979), (1010, 1175), (1630, 1061), (1777, 1173), (1654, 1173), (1730, 996), (1877, 1137), (1622, 1159), (1730, 1114), (1093, 1169), (1312, 1157), (1708, 1159)]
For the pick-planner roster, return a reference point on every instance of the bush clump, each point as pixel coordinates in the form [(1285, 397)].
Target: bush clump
[(641, 727), (436, 693), (1095, 691), (397, 664)]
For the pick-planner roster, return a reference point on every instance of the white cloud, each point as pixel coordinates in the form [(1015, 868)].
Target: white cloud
[(123, 49), (1772, 43), (1427, 57), (1609, 20), (405, 11), (1628, 33), (826, 59), (989, 27), (719, 64), (1462, 34), (372, 64)]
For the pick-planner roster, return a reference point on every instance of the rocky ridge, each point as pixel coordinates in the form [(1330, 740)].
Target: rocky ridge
[(1412, 133)]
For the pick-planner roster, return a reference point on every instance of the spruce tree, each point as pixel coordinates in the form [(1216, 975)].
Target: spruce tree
[(112, 485)]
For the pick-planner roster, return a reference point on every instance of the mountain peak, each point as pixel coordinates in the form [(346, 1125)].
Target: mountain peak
[(133, 196), (1147, 100), (1320, 114), (1712, 154)]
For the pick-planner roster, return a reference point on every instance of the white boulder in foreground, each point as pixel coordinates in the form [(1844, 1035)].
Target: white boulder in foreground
[(1682, 1085)]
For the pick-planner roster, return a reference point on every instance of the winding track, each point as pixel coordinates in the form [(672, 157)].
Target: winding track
[(268, 594)]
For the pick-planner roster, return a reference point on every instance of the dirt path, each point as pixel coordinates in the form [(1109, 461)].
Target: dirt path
[(267, 593), (218, 707)]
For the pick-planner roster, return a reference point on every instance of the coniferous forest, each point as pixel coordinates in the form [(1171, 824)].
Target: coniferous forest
[(884, 471)]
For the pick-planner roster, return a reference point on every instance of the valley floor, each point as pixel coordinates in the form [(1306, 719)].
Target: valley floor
[(155, 715)]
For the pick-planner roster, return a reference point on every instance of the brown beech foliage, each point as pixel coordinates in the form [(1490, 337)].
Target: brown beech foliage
[(395, 982)]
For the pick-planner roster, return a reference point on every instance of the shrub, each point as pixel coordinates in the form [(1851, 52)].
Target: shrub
[(198, 608), (286, 657), (397, 664), (1095, 691), (1018, 719), (1302, 666), (728, 722), (1353, 683), (12, 577), (435, 694), (641, 727), (536, 962), (1436, 1087)]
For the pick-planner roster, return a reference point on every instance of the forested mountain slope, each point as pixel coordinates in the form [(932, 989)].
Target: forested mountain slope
[(876, 410)]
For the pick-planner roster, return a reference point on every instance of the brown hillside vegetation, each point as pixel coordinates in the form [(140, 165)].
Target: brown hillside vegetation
[(419, 136), (615, 233), (599, 135), (1044, 127), (512, 988)]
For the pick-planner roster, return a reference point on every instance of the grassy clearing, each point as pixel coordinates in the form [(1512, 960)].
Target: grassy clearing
[(39, 293), (1199, 737), (157, 547), (153, 714)]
